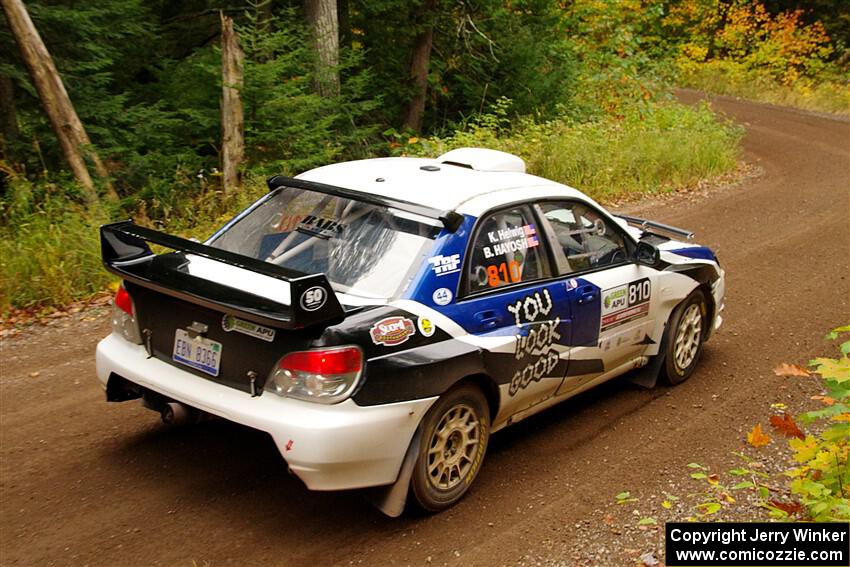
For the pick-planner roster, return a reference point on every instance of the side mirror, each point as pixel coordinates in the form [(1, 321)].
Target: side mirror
[(647, 254)]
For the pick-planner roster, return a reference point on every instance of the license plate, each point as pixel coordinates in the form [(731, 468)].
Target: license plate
[(200, 353)]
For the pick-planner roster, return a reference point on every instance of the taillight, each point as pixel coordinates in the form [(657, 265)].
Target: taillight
[(123, 301), (326, 375), (337, 361), (124, 317)]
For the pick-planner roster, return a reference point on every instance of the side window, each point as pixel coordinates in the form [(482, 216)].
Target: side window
[(585, 239), (506, 250)]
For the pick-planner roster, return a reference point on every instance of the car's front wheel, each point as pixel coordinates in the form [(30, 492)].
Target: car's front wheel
[(455, 433), (685, 335)]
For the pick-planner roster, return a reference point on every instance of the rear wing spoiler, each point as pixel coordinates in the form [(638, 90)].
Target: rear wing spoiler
[(657, 228), (125, 251)]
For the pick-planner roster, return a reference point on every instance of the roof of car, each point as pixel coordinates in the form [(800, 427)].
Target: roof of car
[(432, 183)]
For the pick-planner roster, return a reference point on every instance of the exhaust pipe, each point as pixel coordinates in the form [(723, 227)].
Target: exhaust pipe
[(176, 414), (173, 413)]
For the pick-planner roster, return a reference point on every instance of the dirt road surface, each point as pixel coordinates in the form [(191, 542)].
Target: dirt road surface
[(86, 483)]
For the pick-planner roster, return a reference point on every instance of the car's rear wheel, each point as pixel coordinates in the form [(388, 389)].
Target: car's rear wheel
[(455, 433), (685, 335)]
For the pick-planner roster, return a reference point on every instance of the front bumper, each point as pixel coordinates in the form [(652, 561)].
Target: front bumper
[(330, 447), (718, 292)]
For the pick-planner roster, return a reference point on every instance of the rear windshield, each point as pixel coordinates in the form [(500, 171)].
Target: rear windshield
[(363, 249)]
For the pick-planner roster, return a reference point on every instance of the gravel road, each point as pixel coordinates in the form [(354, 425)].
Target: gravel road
[(86, 483)]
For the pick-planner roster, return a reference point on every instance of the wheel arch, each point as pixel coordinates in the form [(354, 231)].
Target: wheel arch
[(710, 307), (488, 387), (705, 274)]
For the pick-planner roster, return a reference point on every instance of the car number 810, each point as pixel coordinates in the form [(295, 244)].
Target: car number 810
[(639, 291)]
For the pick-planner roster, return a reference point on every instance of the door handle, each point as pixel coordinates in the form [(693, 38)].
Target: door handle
[(587, 294), (488, 319)]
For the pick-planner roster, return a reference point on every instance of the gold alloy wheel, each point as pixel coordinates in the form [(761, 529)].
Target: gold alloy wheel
[(688, 337), (452, 447)]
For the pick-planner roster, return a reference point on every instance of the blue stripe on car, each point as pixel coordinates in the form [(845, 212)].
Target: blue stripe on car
[(427, 281), (696, 252)]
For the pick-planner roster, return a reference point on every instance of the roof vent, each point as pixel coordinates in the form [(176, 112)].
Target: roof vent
[(481, 159)]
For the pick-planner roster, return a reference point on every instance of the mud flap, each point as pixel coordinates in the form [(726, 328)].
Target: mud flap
[(647, 377), (391, 499)]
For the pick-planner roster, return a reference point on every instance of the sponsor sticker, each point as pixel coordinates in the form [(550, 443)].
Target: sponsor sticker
[(314, 298), (572, 284), (504, 273), (442, 296), (509, 240), (426, 326), (392, 331), (230, 323), (321, 228), (625, 303), (445, 265)]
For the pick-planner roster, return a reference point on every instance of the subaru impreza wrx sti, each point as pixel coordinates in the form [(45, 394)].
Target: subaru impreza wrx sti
[(379, 319)]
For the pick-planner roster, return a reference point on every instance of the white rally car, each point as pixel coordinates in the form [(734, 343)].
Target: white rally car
[(381, 318)]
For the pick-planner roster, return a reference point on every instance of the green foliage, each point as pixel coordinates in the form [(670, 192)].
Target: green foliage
[(96, 47), (822, 481), (154, 114), (482, 51), (288, 127), (519, 51), (623, 56)]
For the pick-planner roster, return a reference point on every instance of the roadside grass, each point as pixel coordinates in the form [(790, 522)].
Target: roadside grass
[(49, 254), (657, 151), (50, 247), (829, 94)]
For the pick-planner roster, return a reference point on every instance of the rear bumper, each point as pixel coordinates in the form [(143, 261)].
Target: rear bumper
[(330, 447)]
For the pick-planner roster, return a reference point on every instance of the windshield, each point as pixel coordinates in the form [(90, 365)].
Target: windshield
[(363, 249)]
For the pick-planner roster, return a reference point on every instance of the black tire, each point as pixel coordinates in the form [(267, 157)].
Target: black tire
[(686, 332), (450, 455)]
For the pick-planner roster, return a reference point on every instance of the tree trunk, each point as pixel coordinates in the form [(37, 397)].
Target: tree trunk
[(419, 65), (69, 130), (324, 25), (723, 8), (8, 117), (232, 118)]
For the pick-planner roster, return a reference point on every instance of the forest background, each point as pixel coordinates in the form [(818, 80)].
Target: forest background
[(581, 89)]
